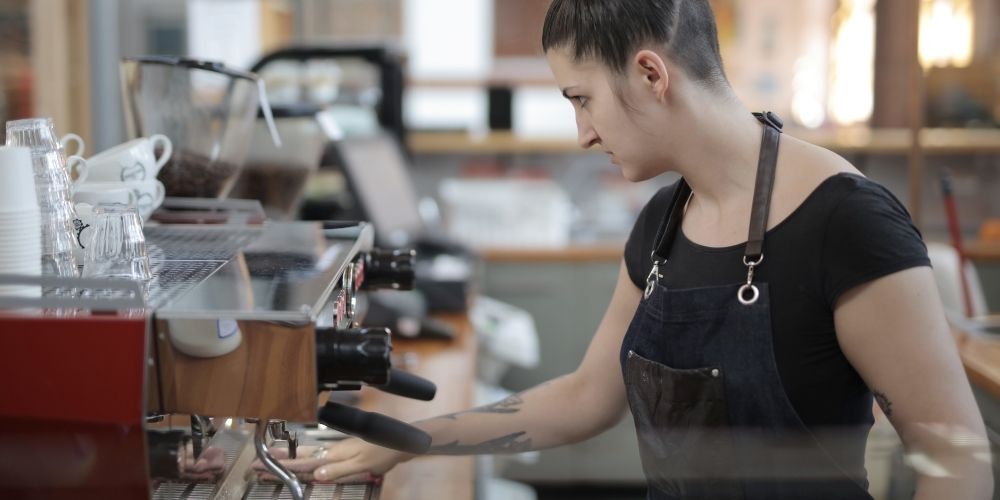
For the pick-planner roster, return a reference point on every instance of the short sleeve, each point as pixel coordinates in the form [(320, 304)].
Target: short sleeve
[(869, 235), (640, 240)]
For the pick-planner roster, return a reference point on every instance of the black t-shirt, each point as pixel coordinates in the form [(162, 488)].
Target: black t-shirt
[(849, 231)]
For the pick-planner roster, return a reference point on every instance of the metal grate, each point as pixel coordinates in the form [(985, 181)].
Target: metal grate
[(170, 491), (231, 443), (171, 278), (197, 242), (269, 491)]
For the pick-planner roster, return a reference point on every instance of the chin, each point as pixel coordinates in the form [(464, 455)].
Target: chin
[(636, 174)]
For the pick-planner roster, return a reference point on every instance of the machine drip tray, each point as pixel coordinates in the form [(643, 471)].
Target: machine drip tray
[(268, 491)]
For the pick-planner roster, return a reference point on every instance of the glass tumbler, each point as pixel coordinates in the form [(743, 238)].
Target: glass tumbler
[(116, 246)]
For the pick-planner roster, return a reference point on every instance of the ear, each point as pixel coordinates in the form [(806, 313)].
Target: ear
[(653, 71)]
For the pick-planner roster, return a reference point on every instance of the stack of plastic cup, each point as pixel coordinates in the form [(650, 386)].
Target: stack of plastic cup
[(53, 188), (20, 221)]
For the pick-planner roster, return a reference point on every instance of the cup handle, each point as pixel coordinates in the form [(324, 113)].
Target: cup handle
[(80, 145), (81, 168), (168, 150), (161, 194)]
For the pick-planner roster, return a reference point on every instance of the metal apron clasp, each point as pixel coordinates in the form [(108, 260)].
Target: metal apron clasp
[(749, 286), (651, 280)]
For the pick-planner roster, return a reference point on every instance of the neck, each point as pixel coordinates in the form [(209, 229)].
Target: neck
[(717, 150)]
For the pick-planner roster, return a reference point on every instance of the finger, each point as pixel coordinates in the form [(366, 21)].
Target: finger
[(335, 471), (301, 451), (269, 477), (300, 464), (363, 477), (212, 458), (339, 452)]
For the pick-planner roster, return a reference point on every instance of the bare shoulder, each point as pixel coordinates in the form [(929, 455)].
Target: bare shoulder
[(813, 164), (802, 167)]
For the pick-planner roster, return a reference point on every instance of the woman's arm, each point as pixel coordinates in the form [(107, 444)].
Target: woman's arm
[(893, 331), (564, 410)]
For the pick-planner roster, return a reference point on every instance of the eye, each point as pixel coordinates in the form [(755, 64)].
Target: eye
[(581, 100)]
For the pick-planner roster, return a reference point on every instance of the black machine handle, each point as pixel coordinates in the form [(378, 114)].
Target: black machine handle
[(375, 428), (390, 269), (362, 355), (409, 385)]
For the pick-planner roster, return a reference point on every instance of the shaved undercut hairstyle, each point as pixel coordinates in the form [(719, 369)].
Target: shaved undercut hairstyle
[(612, 31)]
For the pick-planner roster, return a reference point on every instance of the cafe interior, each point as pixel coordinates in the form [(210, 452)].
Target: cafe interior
[(337, 217)]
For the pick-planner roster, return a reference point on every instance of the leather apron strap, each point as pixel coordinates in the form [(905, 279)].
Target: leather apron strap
[(761, 206)]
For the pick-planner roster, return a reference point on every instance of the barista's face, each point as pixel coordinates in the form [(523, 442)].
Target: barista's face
[(602, 118)]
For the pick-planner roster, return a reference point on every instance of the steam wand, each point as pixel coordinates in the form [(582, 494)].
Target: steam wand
[(272, 465)]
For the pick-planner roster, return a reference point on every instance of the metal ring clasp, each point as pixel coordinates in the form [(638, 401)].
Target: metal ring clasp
[(749, 286), (754, 294)]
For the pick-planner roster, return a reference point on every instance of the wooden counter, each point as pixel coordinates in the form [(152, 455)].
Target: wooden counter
[(983, 251), (452, 366), (981, 358), (573, 253)]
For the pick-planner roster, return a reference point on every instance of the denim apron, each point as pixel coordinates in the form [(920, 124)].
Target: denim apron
[(711, 415)]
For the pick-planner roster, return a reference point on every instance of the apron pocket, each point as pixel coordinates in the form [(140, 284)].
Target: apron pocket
[(682, 424)]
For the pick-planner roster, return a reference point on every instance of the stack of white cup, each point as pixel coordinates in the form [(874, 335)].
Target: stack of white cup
[(20, 221), (130, 167)]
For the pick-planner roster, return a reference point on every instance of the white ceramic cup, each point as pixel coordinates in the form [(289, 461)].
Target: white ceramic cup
[(17, 180), (78, 169), (95, 193), (148, 196), (133, 161), (81, 147)]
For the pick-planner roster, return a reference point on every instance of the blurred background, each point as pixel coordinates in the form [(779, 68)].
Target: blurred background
[(904, 89)]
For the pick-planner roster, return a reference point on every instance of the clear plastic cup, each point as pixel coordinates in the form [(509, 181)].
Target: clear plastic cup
[(116, 247), (38, 134)]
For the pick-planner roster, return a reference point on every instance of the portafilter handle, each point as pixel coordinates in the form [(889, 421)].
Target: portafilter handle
[(409, 385), (375, 428), (362, 355)]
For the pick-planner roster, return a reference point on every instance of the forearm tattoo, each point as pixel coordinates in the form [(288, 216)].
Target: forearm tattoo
[(884, 403), (511, 443), (510, 405)]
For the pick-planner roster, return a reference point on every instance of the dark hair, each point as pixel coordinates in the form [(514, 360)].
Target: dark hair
[(611, 31)]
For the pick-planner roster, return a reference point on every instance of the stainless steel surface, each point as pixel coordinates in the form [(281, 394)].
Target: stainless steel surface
[(70, 294), (281, 272), (291, 482)]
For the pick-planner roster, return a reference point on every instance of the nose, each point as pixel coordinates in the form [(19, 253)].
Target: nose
[(585, 133)]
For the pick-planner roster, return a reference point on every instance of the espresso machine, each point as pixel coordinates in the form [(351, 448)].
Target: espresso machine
[(241, 336)]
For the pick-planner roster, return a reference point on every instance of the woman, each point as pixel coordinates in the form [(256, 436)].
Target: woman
[(749, 364)]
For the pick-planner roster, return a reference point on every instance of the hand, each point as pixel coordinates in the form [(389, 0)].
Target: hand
[(208, 467), (344, 461)]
